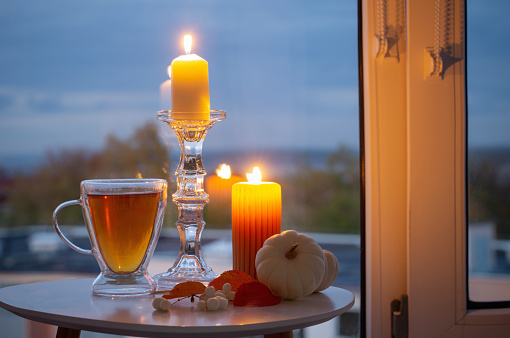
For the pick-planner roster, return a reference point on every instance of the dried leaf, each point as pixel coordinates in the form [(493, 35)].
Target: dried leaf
[(234, 277), (255, 294), (186, 289)]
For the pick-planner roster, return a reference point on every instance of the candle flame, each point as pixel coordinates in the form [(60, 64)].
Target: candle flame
[(255, 177), (224, 172), (169, 71), (187, 44)]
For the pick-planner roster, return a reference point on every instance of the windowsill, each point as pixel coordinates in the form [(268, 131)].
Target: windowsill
[(489, 287), (486, 317)]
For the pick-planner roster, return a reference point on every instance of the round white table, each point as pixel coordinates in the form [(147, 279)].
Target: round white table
[(70, 305)]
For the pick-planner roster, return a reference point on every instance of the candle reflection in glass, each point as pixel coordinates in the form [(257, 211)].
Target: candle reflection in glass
[(219, 188)]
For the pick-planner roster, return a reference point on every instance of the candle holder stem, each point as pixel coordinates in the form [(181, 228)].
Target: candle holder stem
[(190, 199)]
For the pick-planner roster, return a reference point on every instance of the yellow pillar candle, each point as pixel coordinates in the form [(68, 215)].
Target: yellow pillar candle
[(256, 216), (190, 86)]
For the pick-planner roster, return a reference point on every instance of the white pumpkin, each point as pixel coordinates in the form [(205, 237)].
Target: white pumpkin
[(290, 264), (330, 272)]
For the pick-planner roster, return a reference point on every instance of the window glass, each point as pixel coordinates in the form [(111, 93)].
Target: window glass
[(488, 151), (80, 84)]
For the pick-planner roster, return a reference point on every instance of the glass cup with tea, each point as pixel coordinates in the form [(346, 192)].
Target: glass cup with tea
[(123, 219)]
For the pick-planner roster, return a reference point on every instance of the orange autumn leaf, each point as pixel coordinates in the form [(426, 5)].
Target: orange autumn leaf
[(234, 277), (255, 293), (185, 289)]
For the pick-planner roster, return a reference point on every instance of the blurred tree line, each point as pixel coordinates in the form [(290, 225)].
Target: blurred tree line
[(489, 190), (324, 199), (315, 198), (32, 197)]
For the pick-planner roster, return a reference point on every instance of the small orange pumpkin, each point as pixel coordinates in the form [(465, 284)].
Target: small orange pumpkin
[(330, 272)]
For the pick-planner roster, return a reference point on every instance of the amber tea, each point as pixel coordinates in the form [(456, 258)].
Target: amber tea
[(123, 225)]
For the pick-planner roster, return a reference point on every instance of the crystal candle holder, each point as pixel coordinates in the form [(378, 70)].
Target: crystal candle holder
[(190, 199)]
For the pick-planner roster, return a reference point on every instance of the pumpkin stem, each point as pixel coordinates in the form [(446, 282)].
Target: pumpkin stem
[(291, 254)]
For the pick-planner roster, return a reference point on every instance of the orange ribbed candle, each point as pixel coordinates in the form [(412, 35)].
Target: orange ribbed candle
[(256, 216)]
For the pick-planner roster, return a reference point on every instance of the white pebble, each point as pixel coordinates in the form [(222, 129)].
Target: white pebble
[(227, 288), (156, 302), (201, 305), (213, 304), (220, 294), (231, 295), (210, 291), (223, 303), (204, 297), (165, 304)]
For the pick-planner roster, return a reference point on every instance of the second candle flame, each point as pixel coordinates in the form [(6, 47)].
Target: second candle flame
[(187, 43), (224, 171), (255, 177)]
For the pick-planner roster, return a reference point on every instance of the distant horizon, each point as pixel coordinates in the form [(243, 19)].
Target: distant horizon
[(28, 162), (18, 161)]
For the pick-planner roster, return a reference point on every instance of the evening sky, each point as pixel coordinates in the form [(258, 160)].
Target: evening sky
[(285, 71)]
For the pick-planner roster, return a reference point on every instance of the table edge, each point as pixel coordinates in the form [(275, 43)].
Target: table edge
[(133, 329)]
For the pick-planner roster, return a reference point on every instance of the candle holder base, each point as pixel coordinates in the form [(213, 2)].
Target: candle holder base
[(190, 199), (188, 269)]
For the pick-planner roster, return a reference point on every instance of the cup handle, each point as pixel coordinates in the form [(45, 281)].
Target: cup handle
[(57, 229)]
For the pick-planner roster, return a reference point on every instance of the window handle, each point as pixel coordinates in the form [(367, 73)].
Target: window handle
[(400, 317)]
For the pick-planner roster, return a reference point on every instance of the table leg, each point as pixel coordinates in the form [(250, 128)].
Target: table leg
[(39, 330), (287, 334), (64, 332)]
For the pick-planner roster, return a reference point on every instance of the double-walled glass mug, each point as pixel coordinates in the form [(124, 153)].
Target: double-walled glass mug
[(123, 219)]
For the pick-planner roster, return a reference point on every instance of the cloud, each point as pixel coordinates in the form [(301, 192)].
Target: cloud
[(6, 100), (489, 129), (46, 104), (34, 121), (33, 102), (34, 133), (334, 98)]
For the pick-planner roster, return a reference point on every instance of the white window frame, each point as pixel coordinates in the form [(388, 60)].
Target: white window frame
[(415, 148)]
